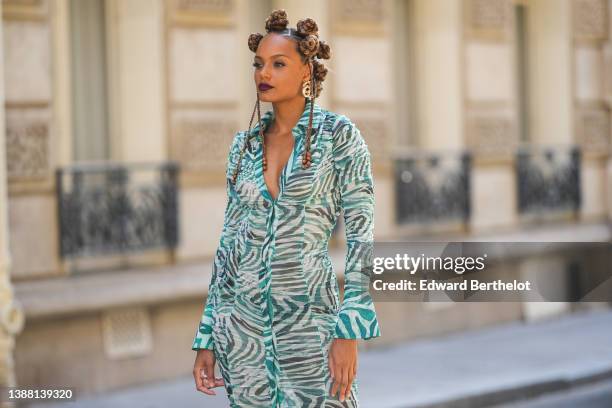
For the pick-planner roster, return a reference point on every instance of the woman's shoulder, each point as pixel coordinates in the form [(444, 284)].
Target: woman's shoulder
[(343, 129), (237, 138), (336, 120), (237, 143), (234, 150)]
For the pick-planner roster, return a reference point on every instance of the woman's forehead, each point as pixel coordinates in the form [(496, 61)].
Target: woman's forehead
[(273, 45)]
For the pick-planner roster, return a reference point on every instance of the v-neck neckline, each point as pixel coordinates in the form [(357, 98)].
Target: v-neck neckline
[(282, 176), (298, 133), (288, 164)]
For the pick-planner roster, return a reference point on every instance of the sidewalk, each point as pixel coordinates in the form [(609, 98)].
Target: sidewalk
[(491, 365), (472, 369)]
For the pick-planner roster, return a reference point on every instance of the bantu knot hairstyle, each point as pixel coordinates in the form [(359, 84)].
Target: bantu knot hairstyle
[(309, 46)]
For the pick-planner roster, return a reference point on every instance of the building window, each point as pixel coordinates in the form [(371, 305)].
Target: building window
[(90, 83)]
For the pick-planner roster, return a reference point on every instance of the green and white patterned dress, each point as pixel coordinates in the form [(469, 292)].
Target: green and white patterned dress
[(273, 308)]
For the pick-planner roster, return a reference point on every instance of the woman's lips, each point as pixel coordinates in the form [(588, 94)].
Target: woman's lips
[(264, 87)]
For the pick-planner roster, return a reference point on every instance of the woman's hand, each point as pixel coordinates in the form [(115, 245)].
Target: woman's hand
[(204, 372), (342, 365)]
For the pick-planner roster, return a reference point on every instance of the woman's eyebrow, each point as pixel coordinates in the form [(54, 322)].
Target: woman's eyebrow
[(275, 55)]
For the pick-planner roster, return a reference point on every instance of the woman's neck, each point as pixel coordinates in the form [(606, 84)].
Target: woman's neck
[(287, 114)]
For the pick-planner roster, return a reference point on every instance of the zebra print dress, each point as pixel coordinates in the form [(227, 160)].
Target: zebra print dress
[(273, 307)]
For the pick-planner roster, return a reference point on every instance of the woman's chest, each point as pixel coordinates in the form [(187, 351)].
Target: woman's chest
[(292, 182)]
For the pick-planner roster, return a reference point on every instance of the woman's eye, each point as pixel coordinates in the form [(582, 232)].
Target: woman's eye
[(276, 64)]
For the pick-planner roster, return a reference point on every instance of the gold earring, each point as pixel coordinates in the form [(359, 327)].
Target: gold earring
[(306, 89)]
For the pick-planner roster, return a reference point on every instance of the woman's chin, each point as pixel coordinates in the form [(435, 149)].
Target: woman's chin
[(266, 97)]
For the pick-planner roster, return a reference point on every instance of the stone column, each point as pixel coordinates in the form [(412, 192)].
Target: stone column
[(490, 118), (592, 65), (11, 315), (136, 78), (437, 45)]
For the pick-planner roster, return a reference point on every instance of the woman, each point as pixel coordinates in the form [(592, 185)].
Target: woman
[(272, 319)]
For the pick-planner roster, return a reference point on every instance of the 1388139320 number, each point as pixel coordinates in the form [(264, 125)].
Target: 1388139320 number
[(35, 394)]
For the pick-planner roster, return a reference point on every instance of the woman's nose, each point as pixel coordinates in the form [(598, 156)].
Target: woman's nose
[(265, 72)]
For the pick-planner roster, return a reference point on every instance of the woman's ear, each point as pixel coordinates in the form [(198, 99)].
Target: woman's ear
[(307, 75)]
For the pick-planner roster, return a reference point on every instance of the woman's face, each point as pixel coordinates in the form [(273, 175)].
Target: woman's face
[(278, 64)]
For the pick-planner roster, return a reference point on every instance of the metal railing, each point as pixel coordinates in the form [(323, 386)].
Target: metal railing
[(548, 178), (113, 208), (432, 187)]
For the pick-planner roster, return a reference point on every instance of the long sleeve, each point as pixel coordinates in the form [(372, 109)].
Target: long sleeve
[(357, 315), (233, 214)]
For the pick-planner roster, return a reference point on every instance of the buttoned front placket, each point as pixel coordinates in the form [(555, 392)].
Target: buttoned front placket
[(273, 209), (268, 251)]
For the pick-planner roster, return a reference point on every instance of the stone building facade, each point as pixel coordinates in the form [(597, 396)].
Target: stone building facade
[(478, 95)]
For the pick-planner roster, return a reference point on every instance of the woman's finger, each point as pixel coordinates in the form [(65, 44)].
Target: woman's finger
[(336, 381), (349, 383), (219, 382), (330, 363), (209, 376), (201, 382), (343, 383)]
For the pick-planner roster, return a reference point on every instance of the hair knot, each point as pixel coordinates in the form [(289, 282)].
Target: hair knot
[(254, 40), (309, 46), (277, 20), (324, 50), (307, 27)]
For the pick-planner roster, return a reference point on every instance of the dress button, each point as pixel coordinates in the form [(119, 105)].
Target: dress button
[(266, 204)]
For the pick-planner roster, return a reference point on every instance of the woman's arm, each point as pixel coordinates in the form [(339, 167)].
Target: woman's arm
[(233, 214), (357, 315)]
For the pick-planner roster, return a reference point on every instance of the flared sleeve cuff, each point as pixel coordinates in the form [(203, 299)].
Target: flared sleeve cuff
[(357, 315)]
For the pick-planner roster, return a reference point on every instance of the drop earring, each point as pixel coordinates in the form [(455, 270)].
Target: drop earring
[(306, 89)]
